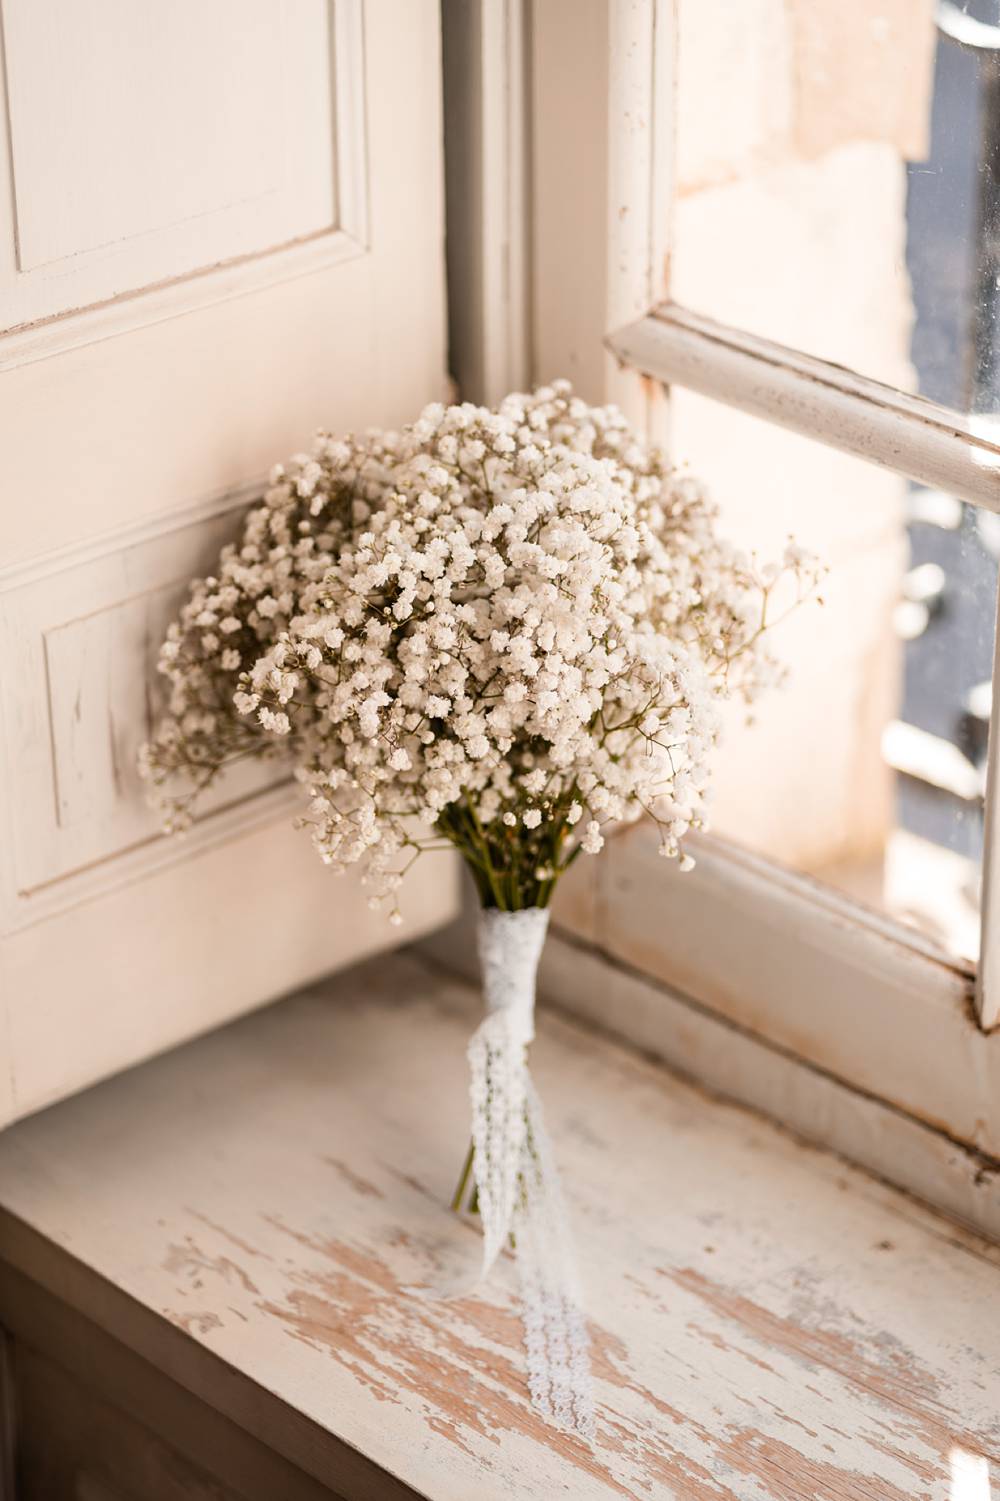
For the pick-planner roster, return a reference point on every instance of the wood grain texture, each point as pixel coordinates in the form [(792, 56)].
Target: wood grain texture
[(260, 1215)]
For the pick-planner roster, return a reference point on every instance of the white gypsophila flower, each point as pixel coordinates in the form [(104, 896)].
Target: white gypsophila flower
[(593, 839), (496, 625)]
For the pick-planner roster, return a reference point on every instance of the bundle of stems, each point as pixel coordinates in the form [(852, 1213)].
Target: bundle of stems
[(512, 867)]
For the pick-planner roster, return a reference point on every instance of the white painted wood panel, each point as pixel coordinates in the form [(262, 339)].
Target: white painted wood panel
[(130, 429), (176, 951), (100, 671), (148, 143), (80, 697), (262, 1215)]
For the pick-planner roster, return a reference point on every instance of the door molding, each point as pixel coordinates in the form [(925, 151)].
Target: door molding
[(65, 847), (347, 239)]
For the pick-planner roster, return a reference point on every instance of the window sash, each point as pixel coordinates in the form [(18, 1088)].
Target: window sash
[(885, 426), (888, 427)]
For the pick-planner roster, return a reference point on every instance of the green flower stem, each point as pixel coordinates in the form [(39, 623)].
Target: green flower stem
[(463, 1181)]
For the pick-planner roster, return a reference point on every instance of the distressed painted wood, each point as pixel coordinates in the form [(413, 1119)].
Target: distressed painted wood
[(97, 1424), (926, 442), (259, 1216)]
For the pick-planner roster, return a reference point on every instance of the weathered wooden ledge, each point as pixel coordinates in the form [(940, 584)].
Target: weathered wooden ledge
[(214, 1275)]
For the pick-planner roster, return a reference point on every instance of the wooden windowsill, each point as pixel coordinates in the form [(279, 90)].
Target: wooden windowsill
[(219, 1264)]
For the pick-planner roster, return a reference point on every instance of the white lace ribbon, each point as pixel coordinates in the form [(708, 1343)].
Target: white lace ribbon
[(520, 1195)]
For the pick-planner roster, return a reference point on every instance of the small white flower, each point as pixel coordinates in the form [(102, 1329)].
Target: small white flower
[(278, 723), (309, 478), (593, 840), (532, 818)]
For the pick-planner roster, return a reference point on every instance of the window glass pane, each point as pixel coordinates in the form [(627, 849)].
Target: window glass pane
[(838, 184), (866, 768)]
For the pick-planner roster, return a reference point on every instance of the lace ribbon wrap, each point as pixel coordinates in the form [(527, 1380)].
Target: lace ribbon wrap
[(520, 1195)]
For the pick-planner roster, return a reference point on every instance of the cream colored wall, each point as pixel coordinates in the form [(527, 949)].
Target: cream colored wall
[(793, 122)]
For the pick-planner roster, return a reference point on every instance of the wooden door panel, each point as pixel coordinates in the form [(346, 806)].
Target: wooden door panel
[(191, 136), (193, 278)]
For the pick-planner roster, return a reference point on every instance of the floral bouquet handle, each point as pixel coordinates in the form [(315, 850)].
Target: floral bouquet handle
[(519, 1195)]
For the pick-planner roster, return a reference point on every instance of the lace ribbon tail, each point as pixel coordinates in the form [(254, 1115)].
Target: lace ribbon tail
[(558, 1347), (520, 1196), (498, 1072)]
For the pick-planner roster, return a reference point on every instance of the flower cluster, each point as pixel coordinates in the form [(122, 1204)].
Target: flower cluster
[(501, 629)]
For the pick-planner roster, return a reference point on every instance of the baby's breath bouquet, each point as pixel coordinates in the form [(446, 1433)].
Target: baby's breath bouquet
[(499, 630)]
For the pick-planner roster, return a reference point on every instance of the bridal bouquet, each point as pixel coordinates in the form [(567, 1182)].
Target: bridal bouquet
[(500, 630)]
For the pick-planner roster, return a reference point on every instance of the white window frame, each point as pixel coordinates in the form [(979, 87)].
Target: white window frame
[(906, 434), (840, 992)]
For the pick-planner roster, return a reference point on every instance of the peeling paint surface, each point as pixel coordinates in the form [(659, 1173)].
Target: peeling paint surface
[(767, 1323)]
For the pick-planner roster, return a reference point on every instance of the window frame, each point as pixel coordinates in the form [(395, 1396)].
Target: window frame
[(900, 432), (833, 990)]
